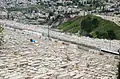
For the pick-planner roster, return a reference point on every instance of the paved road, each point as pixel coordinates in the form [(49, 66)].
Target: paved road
[(113, 45), (111, 18)]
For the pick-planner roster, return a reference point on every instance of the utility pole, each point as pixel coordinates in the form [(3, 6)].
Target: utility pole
[(48, 30), (110, 45), (49, 23)]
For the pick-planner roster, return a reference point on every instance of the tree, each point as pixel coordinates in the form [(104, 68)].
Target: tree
[(75, 1), (111, 34), (89, 23)]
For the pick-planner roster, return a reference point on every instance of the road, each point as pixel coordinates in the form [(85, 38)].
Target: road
[(110, 18), (110, 45)]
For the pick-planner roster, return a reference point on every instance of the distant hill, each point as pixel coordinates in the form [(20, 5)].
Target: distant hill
[(92, 26)]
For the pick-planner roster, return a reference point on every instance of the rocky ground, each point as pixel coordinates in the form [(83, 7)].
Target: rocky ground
[(52, 59)]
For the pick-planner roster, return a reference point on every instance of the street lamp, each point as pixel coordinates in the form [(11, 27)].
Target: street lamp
[(50, 21), (48, 30)]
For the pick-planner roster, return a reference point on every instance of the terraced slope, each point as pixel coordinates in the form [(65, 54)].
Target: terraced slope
[(92, 26), (51, 59)]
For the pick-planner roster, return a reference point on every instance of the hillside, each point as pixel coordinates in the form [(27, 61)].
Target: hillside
[(51, 59), (92, 26)]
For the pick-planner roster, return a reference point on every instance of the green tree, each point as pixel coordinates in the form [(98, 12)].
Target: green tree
[(111, 34), (89, 23)]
